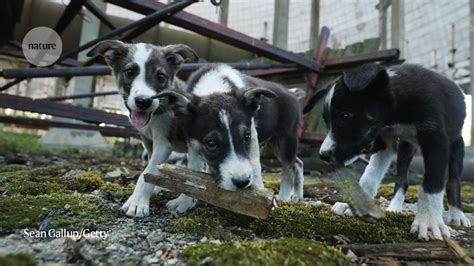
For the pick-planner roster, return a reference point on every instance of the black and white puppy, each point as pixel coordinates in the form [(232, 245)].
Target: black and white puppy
[(141, 71), (226, 114), (404, 107)]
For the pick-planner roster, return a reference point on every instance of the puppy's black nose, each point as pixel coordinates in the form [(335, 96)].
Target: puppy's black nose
[(143, 102), (325, 155), (241, 183)]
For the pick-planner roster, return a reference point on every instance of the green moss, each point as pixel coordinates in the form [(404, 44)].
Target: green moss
[(116, 191), (84, 182), (467, 208), (311, 222), (78, 211), (272, 252), (18, 259), (12, 168), (16, 142), (387, 191), (31, 188), (411, 196)]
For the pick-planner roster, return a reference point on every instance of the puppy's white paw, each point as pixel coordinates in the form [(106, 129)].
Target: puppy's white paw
[(181, 204), (395, 206), (137, 206), (342, 209), (296, 196), (457, 217), (283, 196), (429, 227)]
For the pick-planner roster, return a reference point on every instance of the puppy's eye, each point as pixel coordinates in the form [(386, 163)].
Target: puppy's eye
[(211, 145), (346, 116), (129, 72), (161, 78), (247, 136)]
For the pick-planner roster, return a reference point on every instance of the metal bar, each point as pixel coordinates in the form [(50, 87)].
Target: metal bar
[(348, 61), (104, 70), (219, 32), (152, 18), (80, 96), (332, 65), (19, 54), (319, 55), (68, 15), (45, 124), (99, 14), (88, 115)]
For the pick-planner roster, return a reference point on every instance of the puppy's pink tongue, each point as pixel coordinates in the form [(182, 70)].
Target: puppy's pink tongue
[(139, 119)]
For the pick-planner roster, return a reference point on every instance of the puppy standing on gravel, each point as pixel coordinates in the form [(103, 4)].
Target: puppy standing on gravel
[(141, 71), (408, 106), (226, 114)]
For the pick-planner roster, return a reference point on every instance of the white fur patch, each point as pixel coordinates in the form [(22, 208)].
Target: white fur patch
[(342, 209), (181, 204), (233, 166), (392, 73), (457, 217), (328, 143), (375, 171), (214, 81), (428, 221), (396, 204), (139, 86), (328, 98), (351, 160)]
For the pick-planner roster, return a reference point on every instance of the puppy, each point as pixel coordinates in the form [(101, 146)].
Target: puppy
[(226, 114), (141, 71), (404, 106)]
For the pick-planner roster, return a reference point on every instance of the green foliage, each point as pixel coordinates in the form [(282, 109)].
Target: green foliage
[(312, 222), (19, 259), (19, 142), (271, 252)]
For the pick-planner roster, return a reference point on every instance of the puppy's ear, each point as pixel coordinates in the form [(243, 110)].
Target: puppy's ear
[(251, 97), (366, 77), (178, 53), (111, 50), (318, 94), (180, 103)]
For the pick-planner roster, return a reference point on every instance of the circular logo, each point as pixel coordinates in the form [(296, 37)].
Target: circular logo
[(42, 46)]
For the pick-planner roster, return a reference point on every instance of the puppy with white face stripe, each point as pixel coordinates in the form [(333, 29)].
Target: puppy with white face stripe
[(400, 109), (227, 114), (141, 71)]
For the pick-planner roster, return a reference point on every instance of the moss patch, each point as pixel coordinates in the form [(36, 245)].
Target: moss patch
[(84, 182), (311, 222), (411, 196), (60, 210), (18, 259), (23, 142), (274, 252), (297, 220), (214, 223)]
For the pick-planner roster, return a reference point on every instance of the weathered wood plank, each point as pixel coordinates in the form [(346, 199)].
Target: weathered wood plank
[(199, 185)]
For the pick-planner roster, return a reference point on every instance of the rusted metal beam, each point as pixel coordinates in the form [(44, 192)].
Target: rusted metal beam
[(99, 14), (152, 18), (314, 77), (81, 96), (353, 60), (104, 70), (219, 32), (88, 115), (46, 124)]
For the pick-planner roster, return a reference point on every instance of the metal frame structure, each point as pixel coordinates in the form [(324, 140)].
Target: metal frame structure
[(155, 13)]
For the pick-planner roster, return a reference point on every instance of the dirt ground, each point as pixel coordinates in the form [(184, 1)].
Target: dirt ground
[(44, 191)]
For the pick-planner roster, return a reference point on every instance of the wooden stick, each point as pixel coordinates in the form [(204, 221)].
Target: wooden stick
[(362, 205), (458, 250), (199, 185)]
